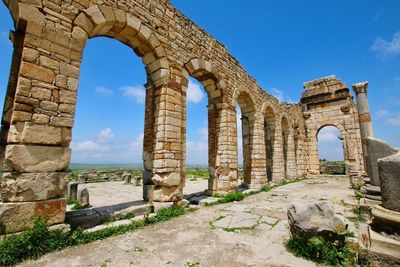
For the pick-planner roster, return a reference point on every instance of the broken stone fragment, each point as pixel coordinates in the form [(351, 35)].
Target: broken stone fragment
[(315, 219), (389, 170)]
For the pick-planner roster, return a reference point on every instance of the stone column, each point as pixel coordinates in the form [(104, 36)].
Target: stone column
[(364, 116)]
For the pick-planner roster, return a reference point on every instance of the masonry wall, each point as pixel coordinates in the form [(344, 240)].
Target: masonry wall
[(49, 40)]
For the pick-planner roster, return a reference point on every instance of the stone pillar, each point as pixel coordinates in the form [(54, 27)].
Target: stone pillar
[(278, 160), (72, 193), (364, 117)]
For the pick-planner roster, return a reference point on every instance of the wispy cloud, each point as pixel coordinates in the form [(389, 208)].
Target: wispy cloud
[(378, 15), (194, 93), (329, 134), (105, 134), (103, 91), (382, 113), (386, 48), (329, 145), (108, 148), (138, 93), (394, 121), (278, 94)]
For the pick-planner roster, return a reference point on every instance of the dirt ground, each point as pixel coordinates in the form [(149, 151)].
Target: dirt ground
[(248, 233)]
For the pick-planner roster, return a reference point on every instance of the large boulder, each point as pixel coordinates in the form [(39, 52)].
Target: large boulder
[(307, 220), (389, 170)]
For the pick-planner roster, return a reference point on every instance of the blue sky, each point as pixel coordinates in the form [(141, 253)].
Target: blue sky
[(280, 43)]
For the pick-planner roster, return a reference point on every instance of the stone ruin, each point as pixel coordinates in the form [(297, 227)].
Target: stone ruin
[(279, 139)]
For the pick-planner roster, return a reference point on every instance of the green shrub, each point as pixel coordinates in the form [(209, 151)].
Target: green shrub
[(332, 253)]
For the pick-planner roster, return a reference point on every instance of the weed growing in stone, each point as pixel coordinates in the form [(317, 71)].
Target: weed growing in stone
[(332, 253), (38, 241)]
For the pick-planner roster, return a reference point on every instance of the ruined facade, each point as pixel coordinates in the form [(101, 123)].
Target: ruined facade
[(328, 102), (38, 117)]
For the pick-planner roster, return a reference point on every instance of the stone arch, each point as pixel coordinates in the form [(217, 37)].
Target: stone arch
[(286, 134), (102, 20), (342, 137), (205, 73), (269, 138), (245, 101)]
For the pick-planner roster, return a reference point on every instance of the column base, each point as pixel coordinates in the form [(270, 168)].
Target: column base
[(18, 216)]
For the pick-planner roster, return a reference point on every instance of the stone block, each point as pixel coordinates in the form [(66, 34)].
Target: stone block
[(376, 149), (27, 187), (72, 193), (33, 133), (33, 71), (16, 217), (83, 196), (167, 194), (29, 158), (389, 170)]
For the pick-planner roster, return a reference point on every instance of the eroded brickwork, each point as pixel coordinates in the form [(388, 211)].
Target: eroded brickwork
[(328, 101), (38, 117)]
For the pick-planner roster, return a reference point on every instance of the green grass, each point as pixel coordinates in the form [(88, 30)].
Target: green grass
[(332, 253), (197, 173), (38, 241)]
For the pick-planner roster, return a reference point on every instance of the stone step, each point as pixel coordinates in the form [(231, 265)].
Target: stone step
[(89, 218)]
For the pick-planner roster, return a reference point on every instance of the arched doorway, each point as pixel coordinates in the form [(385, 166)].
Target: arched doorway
[(285, 144), (245, 109), (197, 135), (107, 140), (269, 137), (10, 55), (331, 150)]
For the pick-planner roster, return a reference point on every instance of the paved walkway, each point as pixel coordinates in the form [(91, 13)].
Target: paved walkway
[(112, 193), (248, 233)]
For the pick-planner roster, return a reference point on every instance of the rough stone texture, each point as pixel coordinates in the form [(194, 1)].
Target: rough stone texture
[(83, 196), (389, 170), (72, 193), (26, 158), (376, 149), (328, 102), (33, 186), (315, 219), (15, 217), (41, 96)]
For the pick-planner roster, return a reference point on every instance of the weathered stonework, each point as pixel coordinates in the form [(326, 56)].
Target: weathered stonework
[(38, 116), (327, 101)]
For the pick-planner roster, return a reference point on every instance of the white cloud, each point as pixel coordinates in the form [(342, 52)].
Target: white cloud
[(395, 121), (278, 94), (194, 93), (384, 48), (103, 91), (197, 152), (108, 150), (328, 134), (106, 133), (330, 147), (203, 132), (86, 146), (138, 93), (382, 113)]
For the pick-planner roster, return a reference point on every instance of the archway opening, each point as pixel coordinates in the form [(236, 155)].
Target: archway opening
[(197, 145), (244, 125), (269, 137), (330, 151), (10, 55), (107, 141), (285, 145)]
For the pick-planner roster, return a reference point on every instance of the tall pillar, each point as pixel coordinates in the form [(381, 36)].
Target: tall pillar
[(364, 115)]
